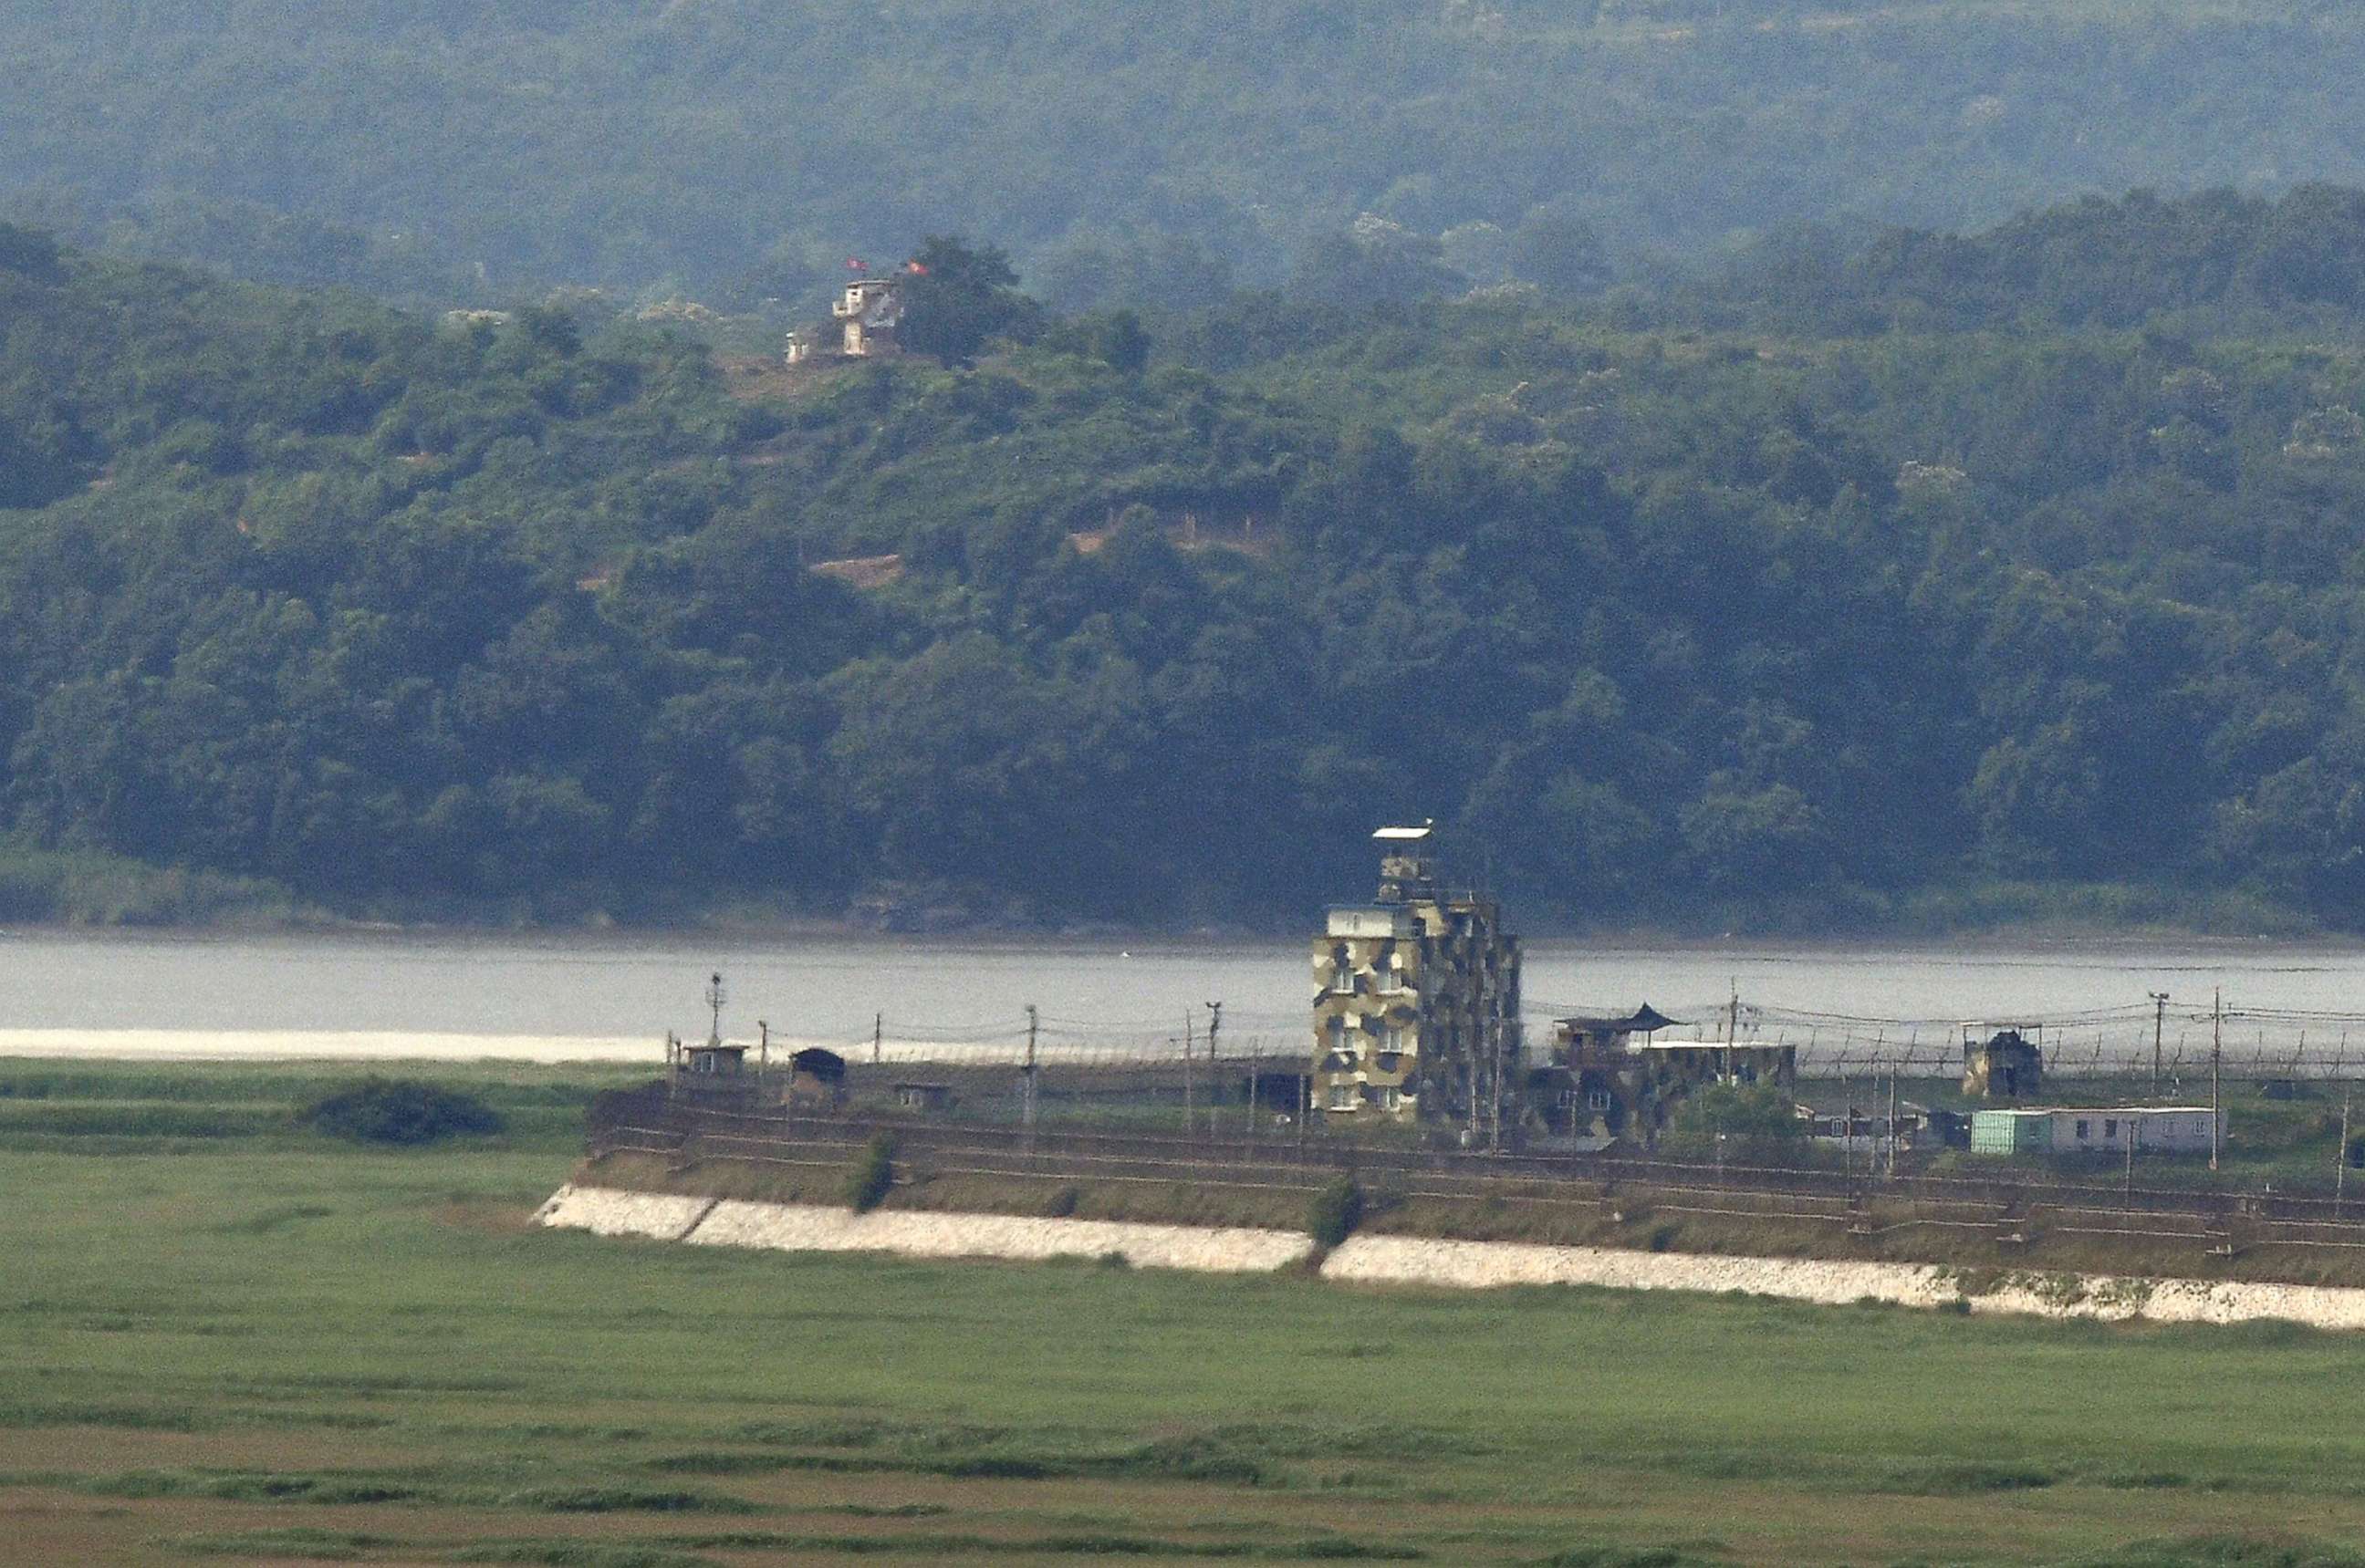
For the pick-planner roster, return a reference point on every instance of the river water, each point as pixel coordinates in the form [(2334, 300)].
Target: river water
[(553, 997)]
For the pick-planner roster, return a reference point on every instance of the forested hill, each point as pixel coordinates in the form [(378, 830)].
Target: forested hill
[(1703, 607), (468, 151)]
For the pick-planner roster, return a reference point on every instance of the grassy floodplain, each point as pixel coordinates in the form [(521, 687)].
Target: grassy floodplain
[(228, 1339)]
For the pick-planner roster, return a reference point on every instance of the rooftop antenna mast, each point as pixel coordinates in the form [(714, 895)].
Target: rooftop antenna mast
[(714, 1006)]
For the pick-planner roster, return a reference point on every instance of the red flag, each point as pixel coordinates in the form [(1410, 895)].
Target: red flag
[(915, 268), (857, 264)]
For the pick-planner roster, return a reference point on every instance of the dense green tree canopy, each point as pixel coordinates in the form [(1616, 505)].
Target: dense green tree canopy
[(1782, 589)]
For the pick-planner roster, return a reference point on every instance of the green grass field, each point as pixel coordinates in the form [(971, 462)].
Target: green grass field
[(262, 1346)]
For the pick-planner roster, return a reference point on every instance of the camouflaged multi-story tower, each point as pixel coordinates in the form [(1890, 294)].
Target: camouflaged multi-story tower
[(1417, 999)]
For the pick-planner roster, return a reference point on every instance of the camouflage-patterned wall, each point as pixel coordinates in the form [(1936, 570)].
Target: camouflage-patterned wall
[(2004, 1066), (1408, 998), (1628, 1091)]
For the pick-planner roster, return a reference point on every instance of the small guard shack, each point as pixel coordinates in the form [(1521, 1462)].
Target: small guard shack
[(2001, 1064), (816, 1078), (931, 1098), (713, 1072)]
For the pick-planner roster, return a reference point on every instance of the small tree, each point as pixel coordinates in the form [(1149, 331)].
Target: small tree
[(957, 295), (1757, 1122), (1334, 1213), (873, 1176)]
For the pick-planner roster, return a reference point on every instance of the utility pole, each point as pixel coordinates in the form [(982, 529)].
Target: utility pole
[(1847, 1129), (1893, 1119), (1214, 1073), (2216, 1056), (1026, 1112), (1256, 1064), (2158, 1026), (1731, 1026), (2135, 1124), (764, 1071), (2340, 1169), (1190, 1110), (1490, 1036), (878, 1035), (1474, 1037)]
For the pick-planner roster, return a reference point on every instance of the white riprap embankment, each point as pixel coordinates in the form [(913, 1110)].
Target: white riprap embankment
[(798, 1227), (611, 1211), (806, 1227), (1422, 1261)]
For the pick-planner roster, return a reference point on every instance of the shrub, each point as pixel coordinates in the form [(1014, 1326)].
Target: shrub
[(402, 1111), (1062, 1204), (873, 1176), (1946, 1480), (1334, 1213), (1757, 1122)]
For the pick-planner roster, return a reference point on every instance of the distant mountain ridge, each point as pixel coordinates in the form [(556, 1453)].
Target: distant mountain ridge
[(739, 148)]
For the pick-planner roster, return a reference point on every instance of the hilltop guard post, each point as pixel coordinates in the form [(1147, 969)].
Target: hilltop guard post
[(1417, 999)]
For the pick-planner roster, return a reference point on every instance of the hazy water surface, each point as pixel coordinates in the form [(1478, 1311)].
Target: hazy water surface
[(578, 995)]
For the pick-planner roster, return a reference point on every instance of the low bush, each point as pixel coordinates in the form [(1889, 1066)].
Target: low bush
[(135, 1118), (2278, 1551), (1627, 1557), (402, 1111), (624, 1500), (1968, 1479)]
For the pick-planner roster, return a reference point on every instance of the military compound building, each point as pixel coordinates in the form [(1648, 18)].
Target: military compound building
[(871, 310), (868, 312), (716, 1073), (1416, 998), (1614, 1079), (2001, 1064)]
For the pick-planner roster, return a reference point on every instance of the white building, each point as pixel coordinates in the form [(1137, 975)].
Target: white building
[(871, 312), (2153, 1129)]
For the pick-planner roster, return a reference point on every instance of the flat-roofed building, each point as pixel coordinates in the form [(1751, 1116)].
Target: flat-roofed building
[(2109, 1129)]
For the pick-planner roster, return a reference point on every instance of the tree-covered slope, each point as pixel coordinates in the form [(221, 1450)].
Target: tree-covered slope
[(460, 148), (1765, 599)]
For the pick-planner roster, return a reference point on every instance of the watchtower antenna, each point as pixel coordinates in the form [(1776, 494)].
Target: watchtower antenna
[(714, 1004)]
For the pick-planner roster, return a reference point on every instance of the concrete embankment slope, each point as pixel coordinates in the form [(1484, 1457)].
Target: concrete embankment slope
[(1422, 1261)]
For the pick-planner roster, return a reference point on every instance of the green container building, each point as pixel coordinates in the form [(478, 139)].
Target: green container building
[(2011, 1132)]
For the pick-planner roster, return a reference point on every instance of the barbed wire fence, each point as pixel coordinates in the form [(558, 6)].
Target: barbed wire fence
[(2145, 1040), (1247, 1073), (1216, 1073)]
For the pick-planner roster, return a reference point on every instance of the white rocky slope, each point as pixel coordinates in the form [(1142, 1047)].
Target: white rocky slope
[(1422, 1261)]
